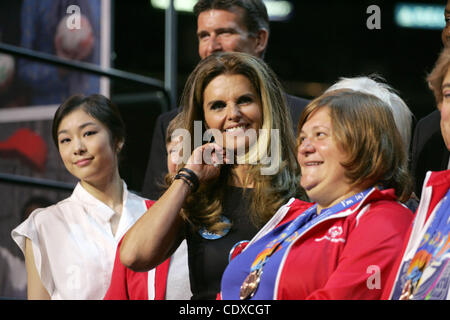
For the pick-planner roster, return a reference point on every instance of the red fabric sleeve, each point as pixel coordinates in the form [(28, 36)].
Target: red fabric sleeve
[(129, 285), (118, 288), (161, 273)]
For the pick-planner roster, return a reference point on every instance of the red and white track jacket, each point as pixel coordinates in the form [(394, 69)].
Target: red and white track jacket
[(349, 255)]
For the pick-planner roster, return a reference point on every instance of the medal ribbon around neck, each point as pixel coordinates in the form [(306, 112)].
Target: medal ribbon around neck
[(302, 223)]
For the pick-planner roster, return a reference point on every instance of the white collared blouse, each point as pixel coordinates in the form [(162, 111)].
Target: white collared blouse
[(73, 243)]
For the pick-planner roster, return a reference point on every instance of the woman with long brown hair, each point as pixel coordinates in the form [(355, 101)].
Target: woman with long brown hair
[(227, 189)]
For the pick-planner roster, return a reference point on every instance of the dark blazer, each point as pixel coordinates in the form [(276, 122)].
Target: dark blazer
[(429, 152), (157, 164)]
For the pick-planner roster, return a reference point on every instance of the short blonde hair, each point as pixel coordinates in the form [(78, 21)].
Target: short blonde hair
[(364, 127)]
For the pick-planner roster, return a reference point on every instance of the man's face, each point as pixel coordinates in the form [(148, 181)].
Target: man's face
[(446, 31), (224, 31)]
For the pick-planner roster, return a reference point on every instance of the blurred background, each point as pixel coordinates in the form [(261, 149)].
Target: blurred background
[(124, 56)]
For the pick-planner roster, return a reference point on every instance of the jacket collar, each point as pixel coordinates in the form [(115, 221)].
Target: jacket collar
[(374, 195), (438, 179)]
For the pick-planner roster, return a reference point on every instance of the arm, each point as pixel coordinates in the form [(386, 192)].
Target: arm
[(157, 233), (153, 237), (118, 286), (36, 290)]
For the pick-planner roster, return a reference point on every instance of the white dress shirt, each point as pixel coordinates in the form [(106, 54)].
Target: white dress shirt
[(73, 244)]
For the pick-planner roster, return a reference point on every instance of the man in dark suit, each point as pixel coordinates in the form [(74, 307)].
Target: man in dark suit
[(429, 152), (428, 148), (222, 26)]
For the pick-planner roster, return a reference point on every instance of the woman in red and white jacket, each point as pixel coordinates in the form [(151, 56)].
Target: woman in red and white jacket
[(423, 269), (354, 168)]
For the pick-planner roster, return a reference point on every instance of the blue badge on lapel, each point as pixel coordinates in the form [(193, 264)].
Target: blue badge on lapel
[(205, 234)]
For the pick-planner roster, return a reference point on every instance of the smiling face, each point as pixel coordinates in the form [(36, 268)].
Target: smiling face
[(86, 149), (232, 105), (322, 175), (224, 31)]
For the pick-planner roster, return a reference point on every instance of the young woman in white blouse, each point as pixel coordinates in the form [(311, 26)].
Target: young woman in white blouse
[(69, 247)]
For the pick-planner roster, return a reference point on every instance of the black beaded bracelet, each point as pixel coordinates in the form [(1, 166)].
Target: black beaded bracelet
[(183, 177), (190, 176)]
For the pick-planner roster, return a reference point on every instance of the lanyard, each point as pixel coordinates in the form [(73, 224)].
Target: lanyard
[(296, 228)]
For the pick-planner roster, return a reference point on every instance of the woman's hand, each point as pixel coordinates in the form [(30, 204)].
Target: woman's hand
[(206, 160)]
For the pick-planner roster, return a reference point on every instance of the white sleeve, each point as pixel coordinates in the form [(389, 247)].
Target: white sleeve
[(29, 229)]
